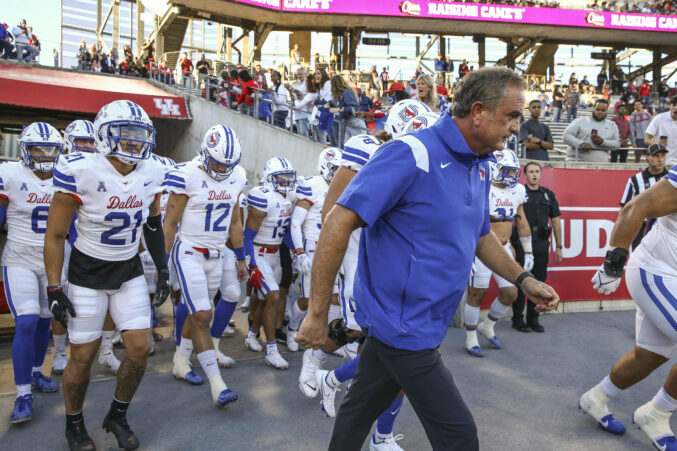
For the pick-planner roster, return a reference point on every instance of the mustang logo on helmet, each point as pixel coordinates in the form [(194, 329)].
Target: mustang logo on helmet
[(213, 140)]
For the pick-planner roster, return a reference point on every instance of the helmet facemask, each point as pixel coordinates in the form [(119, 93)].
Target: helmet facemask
[(41, 157), (283, 181), (215, 169), (130, 142)]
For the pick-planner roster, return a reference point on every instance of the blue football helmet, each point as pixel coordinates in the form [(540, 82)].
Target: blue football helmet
[(123, 129), (40, 145), (507, 169)]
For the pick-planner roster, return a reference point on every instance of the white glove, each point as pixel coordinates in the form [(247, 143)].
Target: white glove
[(528, 262), (604, 283), (303, 264), (146, 259)]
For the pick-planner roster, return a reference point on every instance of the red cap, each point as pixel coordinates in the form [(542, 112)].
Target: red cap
[(397, 86)]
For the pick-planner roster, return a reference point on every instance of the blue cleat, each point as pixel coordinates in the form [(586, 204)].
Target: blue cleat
[(193, 378), (655, 423), (594, 403), (495, 342), (666, 443), (40, 382), (610, 424), (227, 396), (23, 409), (475, 351)]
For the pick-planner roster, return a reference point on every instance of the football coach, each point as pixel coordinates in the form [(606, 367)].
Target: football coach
[(423, 202)]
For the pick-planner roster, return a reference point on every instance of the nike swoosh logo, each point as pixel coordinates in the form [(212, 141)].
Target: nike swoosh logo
[(395, 412), (310, 386), (604, 423), (148, 183), (444, 165), (233, 182), (52, 306)]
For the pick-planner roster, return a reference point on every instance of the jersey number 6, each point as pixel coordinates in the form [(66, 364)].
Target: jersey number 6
[(39, 219)]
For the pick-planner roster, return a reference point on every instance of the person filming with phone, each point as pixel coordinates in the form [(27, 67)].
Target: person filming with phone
[(663, 130), (591, 138)]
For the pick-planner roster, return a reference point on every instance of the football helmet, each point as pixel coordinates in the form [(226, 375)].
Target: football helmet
[(421, 122), (279, 175), (506, 170), (329, 162), (40, 145), (79, 129), (124, 130), (220, 152), (400, 115)]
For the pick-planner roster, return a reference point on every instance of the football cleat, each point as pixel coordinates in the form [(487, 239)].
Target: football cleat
[(253, 344), (223, 360), (594, 403), (23, 409), (388, 444), (109, 360), (347, 352), (228, 331), (292, 345), (327, 393), (227, 396), (184, 372), (475, 351), (78, 438), (59, 363), (655, 423), (245, 304), (275, 360), (117, 424), (42, 383), (117, 338), (307, 377), (487, 329)]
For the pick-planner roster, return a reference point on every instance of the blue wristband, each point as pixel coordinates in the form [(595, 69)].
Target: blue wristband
[(240, 254)]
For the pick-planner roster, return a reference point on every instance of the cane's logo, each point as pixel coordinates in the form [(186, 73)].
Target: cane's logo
[(594, 18), (411, 8)]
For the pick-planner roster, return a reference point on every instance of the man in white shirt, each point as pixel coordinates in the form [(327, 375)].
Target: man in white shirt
[(663, 130), (298, 91), (22, 42), (591, 138)]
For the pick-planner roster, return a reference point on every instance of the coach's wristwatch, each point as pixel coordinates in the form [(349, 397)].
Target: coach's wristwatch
[(521, 277)]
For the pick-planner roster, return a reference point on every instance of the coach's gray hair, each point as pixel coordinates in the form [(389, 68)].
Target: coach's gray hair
[(486, 85)]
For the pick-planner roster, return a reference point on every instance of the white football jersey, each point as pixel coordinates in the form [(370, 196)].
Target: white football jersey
[(657, 253), (113, 207), (314, 190), (278, 210), (206, 218), (504, 202)]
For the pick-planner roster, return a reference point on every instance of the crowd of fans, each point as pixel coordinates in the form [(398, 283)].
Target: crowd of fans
[(19, 42)]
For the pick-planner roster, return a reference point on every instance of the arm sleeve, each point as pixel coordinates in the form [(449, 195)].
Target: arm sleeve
[(380, 185), (249, 235), (155, 241), (296, 225)]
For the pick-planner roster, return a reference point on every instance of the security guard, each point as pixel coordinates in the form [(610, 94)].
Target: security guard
[(541, 205)]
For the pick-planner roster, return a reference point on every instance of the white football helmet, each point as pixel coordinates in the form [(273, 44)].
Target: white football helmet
[(362, 145), (329, 162), (221, 152), (506, 170), (421, 122), (79, 130), (123, 129), (401, 113), (279, 175), (40, 145)]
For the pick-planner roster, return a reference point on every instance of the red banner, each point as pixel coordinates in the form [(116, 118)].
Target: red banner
[(589, 202)]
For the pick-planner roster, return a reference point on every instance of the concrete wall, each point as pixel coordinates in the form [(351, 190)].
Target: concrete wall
[(260, 141)]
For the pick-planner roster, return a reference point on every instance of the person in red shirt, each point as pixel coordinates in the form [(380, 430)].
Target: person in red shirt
[(624, 132), (187, 70), (245, 100), (645, 92)]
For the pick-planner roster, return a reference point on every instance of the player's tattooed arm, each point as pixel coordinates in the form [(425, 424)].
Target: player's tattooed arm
[(154, 208), (130, 374)]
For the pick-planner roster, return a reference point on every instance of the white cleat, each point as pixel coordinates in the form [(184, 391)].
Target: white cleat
[(387, 444), (594, 403), (292, 345), (307, 377), (223, 360), (655, 423), (327, 393), (228, 332), (60, 362), (275, 360), (109, 360), (117, 338), (245, 304), (346, 352), (253, 344)]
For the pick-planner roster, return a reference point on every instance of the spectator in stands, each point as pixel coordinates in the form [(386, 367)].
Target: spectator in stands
[(584, 86), (142, 68), (572, 99), (92, 51), (23, 43), (590, 138), (186, 70), (463, 68), (440, 88), (639, 121), (114, 58), (450, 64), (617, 80), (248, 86), (663, 130), (295, 58), (55, 52), (557, 103), (384, 79), (298, 91), (105, 63), (426, 92), (601, 80), (99, 48), (96, 64), (623, 132), (440, 64), (663, 93), (317, 60), (418, 71), (280, 101), (6, 46), (259, 76), (374, 85), (124, 69), (366, 104), (396, 93), (203, 67), (573, 79), (344, 106), (644, 91), (35, 42), (535, 135)]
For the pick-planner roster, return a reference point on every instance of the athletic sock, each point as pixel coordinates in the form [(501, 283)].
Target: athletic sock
[(36, 369), (347, 370), (386, 422), (471, 316), (186, 347), (334, 312), (222, 314), (664, 401), (471, 339), (251, 333), (59, 342), (320, 355), (497, 310), (107, 341), (608, 388), (271, 347), (73, 419), (296, 316), (23, 348), (179, 319), (118, 408), (23, 389), (208, 363)]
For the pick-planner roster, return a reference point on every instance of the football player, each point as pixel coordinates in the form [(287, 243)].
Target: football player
[(305, 230), (399, 117), (25, 193), (270, 211), (651, 278), (506, 204), (203, 204), (115, 193)]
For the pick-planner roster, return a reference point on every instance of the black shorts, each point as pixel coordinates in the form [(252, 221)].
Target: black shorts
[(91, 272)]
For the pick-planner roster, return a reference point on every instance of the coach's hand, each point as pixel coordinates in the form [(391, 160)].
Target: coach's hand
[(161, 287), (603, 282), (255, 277), (541, 294), (60, 305), (313, 332)]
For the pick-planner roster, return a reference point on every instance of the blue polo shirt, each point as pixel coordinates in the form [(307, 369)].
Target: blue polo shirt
[(424, 198)]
